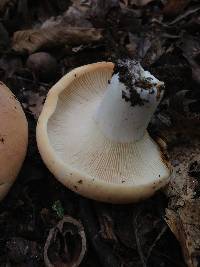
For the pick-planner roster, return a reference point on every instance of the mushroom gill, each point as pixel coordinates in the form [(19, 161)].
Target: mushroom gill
[(95, 142)]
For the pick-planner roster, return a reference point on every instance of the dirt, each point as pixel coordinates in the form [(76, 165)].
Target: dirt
[(130, 80), (164, 37)]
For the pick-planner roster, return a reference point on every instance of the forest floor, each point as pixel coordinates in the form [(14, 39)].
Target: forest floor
[(164, 36)]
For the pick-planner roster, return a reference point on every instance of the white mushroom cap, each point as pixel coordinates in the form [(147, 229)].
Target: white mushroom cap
[(82, 156), (13, 138)]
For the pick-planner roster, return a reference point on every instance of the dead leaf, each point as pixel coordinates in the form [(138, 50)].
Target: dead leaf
[(33, 40), (150, 49), (175, 7), (66, 244), (140, 2), (78, 14), (106, 224), (124, 2), (190, 45), (190, 11), (133, 45), (184, 223), (185, 112), (100, 9), (183, 213), (6, 3)]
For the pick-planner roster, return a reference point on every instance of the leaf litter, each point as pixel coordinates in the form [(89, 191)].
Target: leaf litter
[(164, 36)]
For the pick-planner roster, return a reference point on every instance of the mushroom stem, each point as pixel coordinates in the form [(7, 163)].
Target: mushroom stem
[(125, 111)]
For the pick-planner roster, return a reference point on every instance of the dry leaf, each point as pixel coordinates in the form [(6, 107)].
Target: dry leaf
[(150, 49), (183, 213), (125, 2), (67, 243), (140, 2), (78, 14), (100, 8), (33, 40), (184, 223), (175, 7), (6, 3), (190, 45)]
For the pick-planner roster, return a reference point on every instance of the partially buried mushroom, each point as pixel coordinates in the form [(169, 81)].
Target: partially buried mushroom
[(13, 138), (92, 132)]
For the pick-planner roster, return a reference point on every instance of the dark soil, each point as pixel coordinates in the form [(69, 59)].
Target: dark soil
[(117, 235), (126, 77)]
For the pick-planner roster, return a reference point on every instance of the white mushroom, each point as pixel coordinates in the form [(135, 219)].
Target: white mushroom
[(92, 133), (13, 138)]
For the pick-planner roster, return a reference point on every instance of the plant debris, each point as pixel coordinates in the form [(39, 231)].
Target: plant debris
[(67, 243), (164, 37), (140, 2), (183, 213), (33, 40)]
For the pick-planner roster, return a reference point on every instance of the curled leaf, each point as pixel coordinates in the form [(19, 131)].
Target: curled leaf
[(183, 213), (140, 2), (33, 40), (66, 244)]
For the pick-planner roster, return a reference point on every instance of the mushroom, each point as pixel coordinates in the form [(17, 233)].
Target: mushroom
[(92, 132), (13, 138)]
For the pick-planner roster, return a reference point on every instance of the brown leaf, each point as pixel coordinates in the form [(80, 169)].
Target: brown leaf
[(106, 224), (184, 223), (6, 3), (33, 40), (102, 7), (175, 7), (140, 2), (183, 213), (78, 14), (150, 49), (66, 244), (99, 11), (190, 46), (124, 2)]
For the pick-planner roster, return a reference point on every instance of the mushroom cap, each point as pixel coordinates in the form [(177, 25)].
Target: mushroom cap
[(81, 157), (13, 138)]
